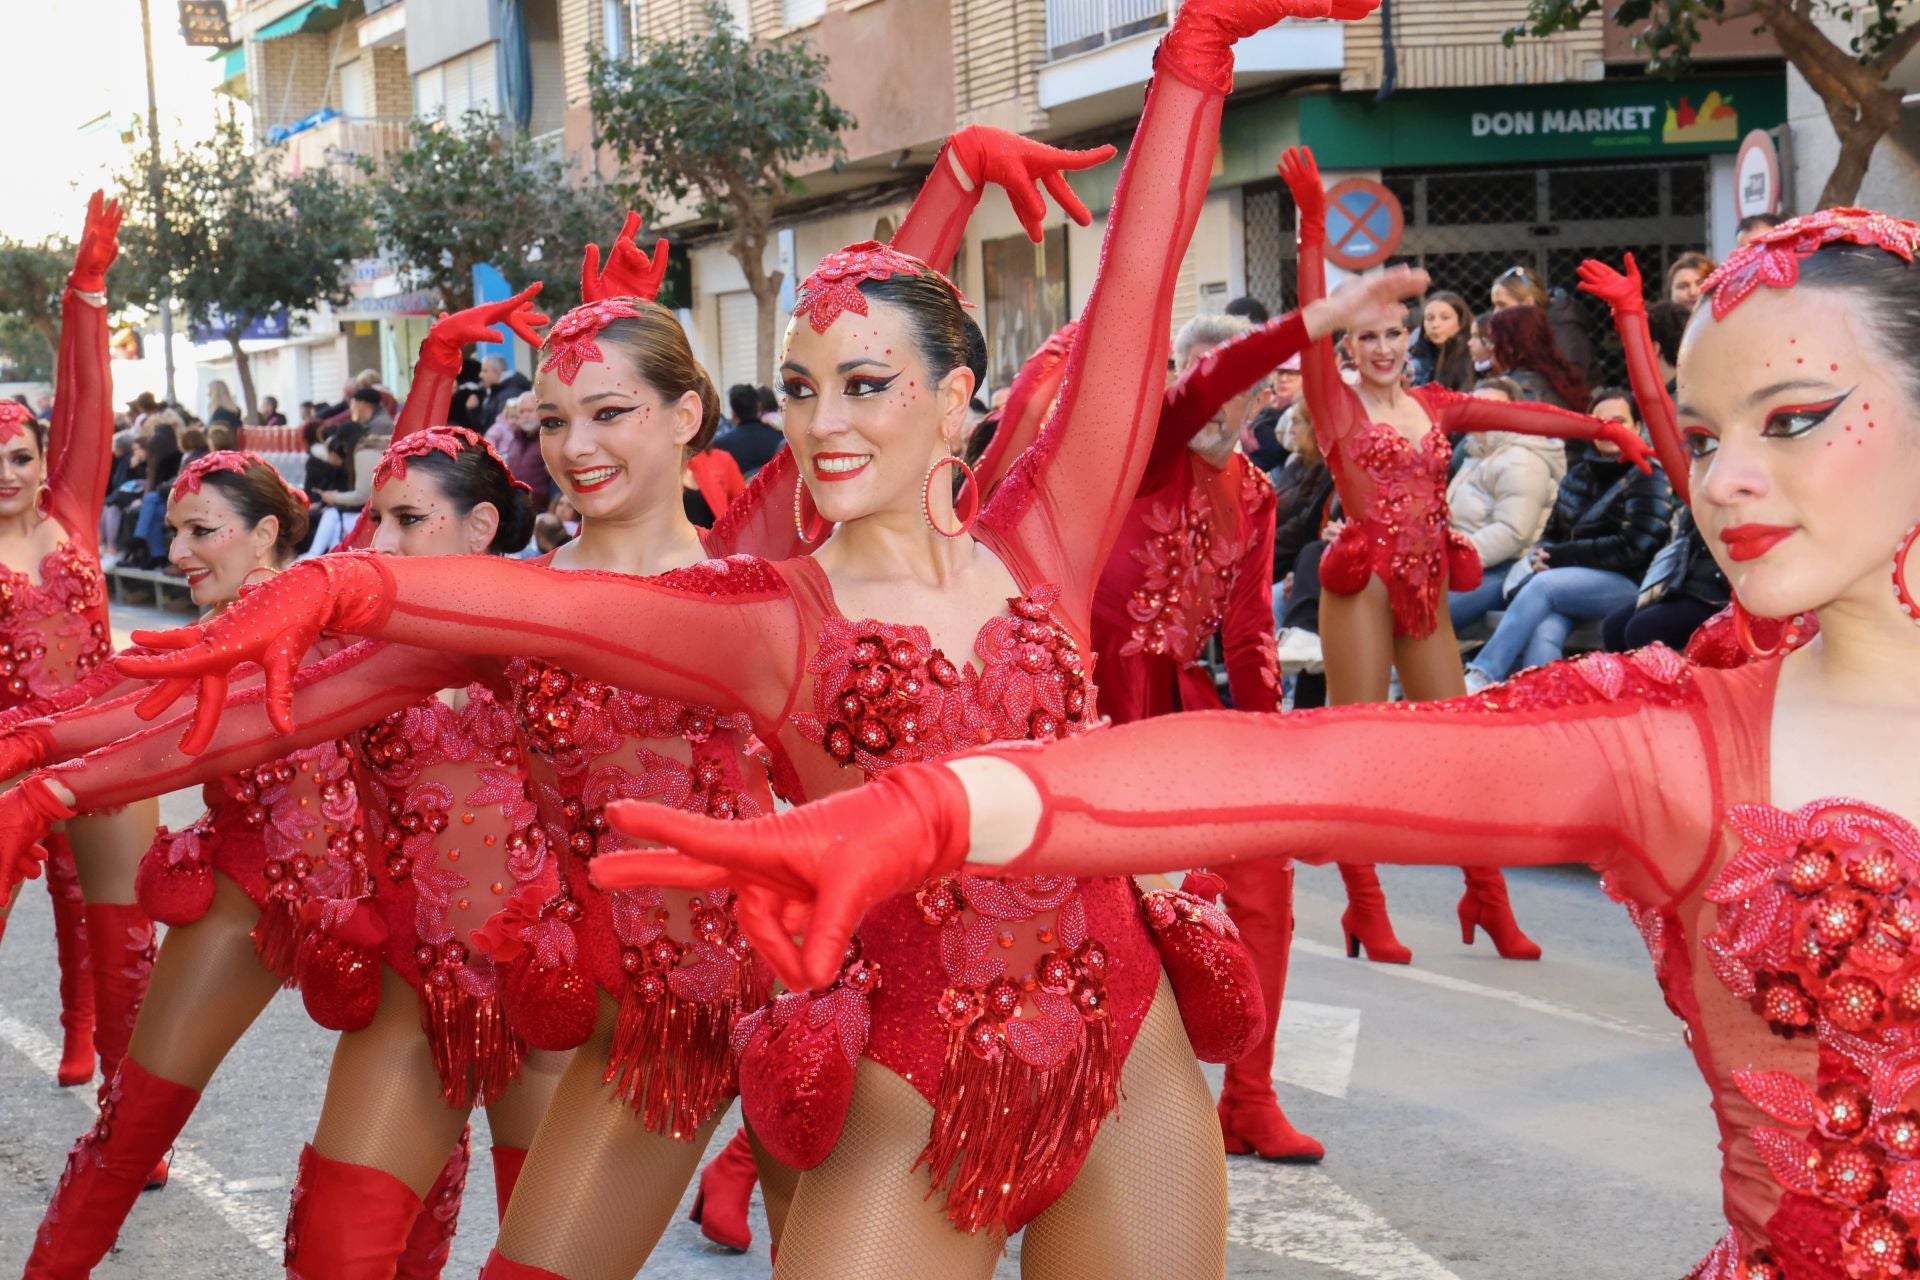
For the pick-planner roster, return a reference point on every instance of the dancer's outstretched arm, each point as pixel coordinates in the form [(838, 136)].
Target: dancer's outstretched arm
[(80, 437), (1626, 296)]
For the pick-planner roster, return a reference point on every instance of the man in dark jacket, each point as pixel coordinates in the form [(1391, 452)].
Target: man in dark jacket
[(1609, 521), (1682, 589), (751, 441), (498, 386)]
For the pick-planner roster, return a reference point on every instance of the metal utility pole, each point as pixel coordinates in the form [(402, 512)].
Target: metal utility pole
[(154, 193)]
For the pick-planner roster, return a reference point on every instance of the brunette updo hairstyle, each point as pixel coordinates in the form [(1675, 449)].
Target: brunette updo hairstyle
[(259, 492), (476, 475), (944, 335), (660, 352), (1886, 287)]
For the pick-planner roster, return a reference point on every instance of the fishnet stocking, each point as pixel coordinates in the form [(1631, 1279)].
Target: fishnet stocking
[(383, 1107), (515, 1116), (592, 1152), (777, 1185), (208, 986), (107, 848), (864, 1214), (1151, 1198)]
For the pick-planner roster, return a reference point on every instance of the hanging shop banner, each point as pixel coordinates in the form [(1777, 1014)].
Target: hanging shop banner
[(1585, 120)]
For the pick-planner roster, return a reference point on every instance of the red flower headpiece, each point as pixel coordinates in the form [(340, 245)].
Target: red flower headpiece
[(14, 420), (570, 343), (444, 439), (1773, 257), (233, 460), (834, 286)]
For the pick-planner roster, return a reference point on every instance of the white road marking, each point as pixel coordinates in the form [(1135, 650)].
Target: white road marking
[(261, 1222), (1533, 1004), (1315, 1046), (1303, 1214)]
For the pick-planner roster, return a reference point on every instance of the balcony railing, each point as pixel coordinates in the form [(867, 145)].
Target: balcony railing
[(1077, 26), (343, 141)]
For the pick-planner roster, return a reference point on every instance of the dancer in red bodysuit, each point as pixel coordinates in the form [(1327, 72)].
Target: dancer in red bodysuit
[(1005, 1095), (53, 632), (1390, 568), (1758, 822)]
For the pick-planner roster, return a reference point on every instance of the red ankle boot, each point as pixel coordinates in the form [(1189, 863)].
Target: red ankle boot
[(1259, 897), (507, 1163), (76, 977), (140, 1116), (346, 1221), (431, 1238), (1485, 904), (500, 1267), (1365, 920), (726, 1188)]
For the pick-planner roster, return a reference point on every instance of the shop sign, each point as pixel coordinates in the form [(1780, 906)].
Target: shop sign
[(1587, 120)]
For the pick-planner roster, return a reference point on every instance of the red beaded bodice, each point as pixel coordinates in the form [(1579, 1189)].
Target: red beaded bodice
[(1188, 559), (53, 631), (1401, 533)]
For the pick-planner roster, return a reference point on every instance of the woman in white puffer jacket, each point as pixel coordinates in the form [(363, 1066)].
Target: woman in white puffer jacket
[(1500, 500)]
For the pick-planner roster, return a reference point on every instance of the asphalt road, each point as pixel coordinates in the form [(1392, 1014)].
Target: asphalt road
[(1485, 1120)]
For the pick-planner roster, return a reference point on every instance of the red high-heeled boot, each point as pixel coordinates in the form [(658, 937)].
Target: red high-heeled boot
[(726, 1188), (1485, 904), (507, 1163), (1365, 922), (140, 1116), (500, 1267), (1259, 897), (431, 1237), (346, 1221), (120, 953), (76, 973)]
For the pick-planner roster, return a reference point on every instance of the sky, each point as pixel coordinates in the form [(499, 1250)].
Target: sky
[(68, 62)]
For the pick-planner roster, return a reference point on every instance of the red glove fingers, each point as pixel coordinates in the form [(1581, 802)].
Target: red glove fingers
[(629, 272), (1622, 292), (26, 814), (99, 245)]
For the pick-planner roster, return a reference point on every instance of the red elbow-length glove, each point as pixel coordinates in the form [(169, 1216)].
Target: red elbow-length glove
[(912, 823), (629, 272), (454, 331), (27, 812), (1199, 47)]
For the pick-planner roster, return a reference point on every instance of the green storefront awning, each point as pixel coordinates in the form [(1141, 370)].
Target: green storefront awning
[(1520, 124), (233, 62), (315, 15)]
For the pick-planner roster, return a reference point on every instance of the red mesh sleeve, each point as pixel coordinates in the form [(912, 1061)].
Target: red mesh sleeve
[(1029, 397), (1338, 416), (935, 225), (761, 522), (1063, 501), (80, 438), (1650, 393), (1549, 771), (1456, 411), (1216, 378)]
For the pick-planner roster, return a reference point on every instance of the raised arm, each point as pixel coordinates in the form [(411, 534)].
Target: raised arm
[(968, 161), (1029, 398), (1455, 411), (1092, 452), (1549, 768), (80, 440), (1626, 297), (1215, 378), (722, 633)]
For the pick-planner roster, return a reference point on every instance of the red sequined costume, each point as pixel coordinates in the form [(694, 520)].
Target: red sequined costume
[(1393, 490), (1019, 1075)]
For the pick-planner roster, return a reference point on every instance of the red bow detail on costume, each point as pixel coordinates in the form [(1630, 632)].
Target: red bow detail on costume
[(570, 343), (234, 460), (15, 420), (449, 440), (1773, 257), (834, 286)]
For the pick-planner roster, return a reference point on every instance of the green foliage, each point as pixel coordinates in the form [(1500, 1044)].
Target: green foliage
[(1673, 26), (31, 278), (478, 191), (242, 239), (715, 115)]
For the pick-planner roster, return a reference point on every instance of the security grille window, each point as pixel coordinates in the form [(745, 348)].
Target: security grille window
[(1466, 226)]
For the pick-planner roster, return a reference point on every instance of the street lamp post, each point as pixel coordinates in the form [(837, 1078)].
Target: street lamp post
[(154, 193)]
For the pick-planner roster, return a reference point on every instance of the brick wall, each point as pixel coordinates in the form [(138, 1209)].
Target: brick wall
[(999, 48), (389, 87), (291, 78)]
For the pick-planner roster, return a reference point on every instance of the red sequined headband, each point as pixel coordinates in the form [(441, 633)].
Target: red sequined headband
[(1773, 257), (570, 342), (14, 420), (233, 460), (447, 440), (834, 286)]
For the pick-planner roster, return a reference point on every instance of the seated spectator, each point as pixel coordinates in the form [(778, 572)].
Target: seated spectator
[(751, 441), (1667, 324), (270, 415), (150, 539), (1439, 353), (193, 445), (1480, 347), (522, 453), (1683, 587), (220, 438), (1570, 322), (1684, 277), (1609, 521), (353, 451), (1524, 350), (1302, 489), (1500, 500)]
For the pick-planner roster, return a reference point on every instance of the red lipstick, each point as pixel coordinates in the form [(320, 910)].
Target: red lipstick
[(1751, 541)]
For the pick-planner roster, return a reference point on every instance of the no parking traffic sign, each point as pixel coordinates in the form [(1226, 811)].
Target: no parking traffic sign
[(1364, 224)]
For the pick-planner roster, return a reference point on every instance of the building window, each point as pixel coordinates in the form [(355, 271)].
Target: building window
[(1026, 289), (795, 13), (616, 24)]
